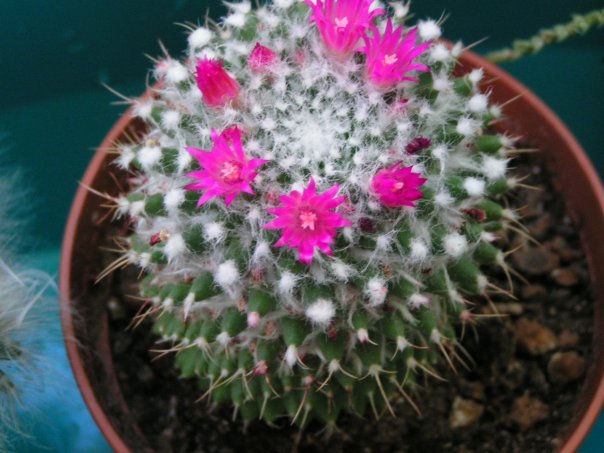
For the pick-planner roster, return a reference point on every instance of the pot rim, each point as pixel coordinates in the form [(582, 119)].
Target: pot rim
[(468, 58), (76, 360)]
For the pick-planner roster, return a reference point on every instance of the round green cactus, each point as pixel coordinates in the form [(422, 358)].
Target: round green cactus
[(383, 185)]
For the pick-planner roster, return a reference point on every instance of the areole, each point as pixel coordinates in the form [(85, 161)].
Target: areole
[(529, 117)]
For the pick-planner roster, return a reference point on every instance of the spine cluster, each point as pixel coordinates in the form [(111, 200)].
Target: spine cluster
[(312, 203)]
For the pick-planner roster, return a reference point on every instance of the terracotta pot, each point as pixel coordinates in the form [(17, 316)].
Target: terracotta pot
[(86, 326)]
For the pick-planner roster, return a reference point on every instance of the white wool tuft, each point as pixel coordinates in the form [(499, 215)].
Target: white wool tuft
[(184, 160), (254, 215), (174, 198), (376, 291), (474, 186), (253, 319), (127, 155), (321, 312), (383, 242), (478, 103), (419, 250), (418, 300), (362, 335), (428, 30), (439, 53), (170, 120), (236, 20), (476, 76), (455, 244), (457, 49), (175, 246), (262, 250), (444, 199), (440, 152), (239, 7), (143, 109), (144, 260), (200, 38), (341, 271), (206, 53), (494, 168), (287, 283), (467, 127), (442, 84), (488, 236), (283, 4), (149, 156), (227, 274), (123, 205), (496, 111), (177, 73), (136, 208), (223, 338), (291, 355), (214, 231), (269, 124), (400, 9), (482, 282)]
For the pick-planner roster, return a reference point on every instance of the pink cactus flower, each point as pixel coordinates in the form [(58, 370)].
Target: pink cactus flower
[(308, 220), (391, 56), (398, 186), (261, 59), (216, 85), (226, 171), (342, 23), (230, 133)]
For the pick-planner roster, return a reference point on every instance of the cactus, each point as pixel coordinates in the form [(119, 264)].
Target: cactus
[(312, 211)]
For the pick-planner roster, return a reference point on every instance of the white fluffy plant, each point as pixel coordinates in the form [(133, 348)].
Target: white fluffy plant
[(20, 289), (314, 198)]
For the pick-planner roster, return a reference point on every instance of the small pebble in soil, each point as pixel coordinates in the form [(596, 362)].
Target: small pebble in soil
[(568, 339), (565, 277), (535, 261), (528, 411), (116, 310), (533, 291), (465, 413), (565, 367), (535, 338), (540, 227)]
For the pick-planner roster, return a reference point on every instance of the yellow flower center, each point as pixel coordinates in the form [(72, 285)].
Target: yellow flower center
[(341, 23), (398, 186), (390, 59), (231, 172), (308, 220)]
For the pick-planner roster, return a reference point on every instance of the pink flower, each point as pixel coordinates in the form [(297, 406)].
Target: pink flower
[(261, 59), (308, 220), (216, 85), (225, 170), (391, 56), (342, 23), (397, 186)]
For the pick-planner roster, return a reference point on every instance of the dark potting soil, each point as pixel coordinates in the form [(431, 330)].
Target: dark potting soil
[(519, 395)]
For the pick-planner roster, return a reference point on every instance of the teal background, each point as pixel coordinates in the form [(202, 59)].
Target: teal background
[(54, 54)]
